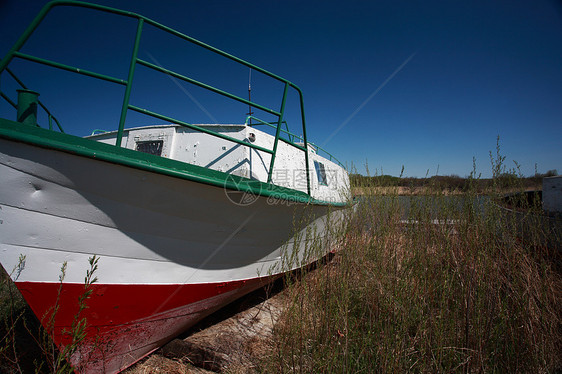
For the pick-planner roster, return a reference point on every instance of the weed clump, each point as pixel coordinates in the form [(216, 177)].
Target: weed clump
[(22, 331), (435, 283)]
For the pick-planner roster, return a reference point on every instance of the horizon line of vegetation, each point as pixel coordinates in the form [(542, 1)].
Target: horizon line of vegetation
[(451, 181)]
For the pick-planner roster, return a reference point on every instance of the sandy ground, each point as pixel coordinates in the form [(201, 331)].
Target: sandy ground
[(229, 340)]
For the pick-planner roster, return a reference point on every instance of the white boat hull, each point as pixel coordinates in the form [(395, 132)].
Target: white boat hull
[(170, 250)]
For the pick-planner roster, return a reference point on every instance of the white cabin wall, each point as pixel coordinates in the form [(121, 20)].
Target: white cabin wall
[(166, 134), (337, 188), (209, 151), (109, 138), (197, 148), (289, 169), (259, 161), (190, 146)]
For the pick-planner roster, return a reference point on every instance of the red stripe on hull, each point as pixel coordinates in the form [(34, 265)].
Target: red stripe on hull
[(126, 322)]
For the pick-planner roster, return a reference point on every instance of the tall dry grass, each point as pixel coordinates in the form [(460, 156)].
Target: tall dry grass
[(447, 285)]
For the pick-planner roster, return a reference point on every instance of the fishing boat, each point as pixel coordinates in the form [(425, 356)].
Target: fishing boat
[(121, 239)]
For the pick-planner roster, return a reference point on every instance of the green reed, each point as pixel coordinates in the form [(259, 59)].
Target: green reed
[(22, 328), (450, 285)]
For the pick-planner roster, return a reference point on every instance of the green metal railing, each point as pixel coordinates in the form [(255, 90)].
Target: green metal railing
[(135, 60), (292, 138), (50, 117), (262, 122)]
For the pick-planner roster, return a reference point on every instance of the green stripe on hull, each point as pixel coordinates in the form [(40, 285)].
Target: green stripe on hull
[(104, 152)]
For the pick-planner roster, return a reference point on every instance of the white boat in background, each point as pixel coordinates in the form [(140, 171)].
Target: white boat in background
[(182, 218)]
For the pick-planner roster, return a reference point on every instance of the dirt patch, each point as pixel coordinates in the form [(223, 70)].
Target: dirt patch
[(229, 340)]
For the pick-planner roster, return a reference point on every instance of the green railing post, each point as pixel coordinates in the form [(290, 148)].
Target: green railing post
[(125, 106), (27, 107), (305, 140), (23, 38), (277, 133)]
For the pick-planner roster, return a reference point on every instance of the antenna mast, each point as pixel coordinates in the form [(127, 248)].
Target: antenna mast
[(250, 96)]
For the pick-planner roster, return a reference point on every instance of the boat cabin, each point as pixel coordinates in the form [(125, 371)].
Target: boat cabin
[(329, 180)]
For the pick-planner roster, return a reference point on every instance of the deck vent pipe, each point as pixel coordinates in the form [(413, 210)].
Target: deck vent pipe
[(27, 107)]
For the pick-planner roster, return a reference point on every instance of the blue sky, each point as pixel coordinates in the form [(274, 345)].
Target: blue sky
[(424, 84)]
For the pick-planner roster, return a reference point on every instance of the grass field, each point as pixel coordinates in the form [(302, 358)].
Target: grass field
[(451, 288)]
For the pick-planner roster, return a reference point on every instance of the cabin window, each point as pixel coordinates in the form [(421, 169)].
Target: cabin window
[(320, 173), (154, 147)]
